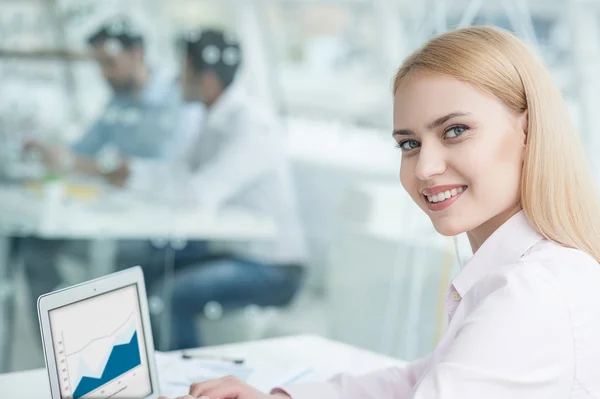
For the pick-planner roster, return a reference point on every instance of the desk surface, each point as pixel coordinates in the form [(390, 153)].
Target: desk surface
[(118, 214), (328, 357)]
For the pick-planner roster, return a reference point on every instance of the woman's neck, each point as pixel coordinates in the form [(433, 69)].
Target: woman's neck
[(478, 235)]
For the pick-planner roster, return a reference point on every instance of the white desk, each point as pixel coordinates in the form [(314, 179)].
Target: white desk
[(328, 358), (115, 215), (118, 214)]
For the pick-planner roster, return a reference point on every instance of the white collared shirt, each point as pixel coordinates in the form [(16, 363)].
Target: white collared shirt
[(239, 159), (524, 324)]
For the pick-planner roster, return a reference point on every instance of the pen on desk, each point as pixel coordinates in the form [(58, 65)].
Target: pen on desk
[(200, 356), (298, 376)]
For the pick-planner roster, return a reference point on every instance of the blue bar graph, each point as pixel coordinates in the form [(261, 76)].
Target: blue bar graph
[(122, 359)]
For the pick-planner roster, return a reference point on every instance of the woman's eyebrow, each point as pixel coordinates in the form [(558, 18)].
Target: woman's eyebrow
[(403, 132), (443, 119)]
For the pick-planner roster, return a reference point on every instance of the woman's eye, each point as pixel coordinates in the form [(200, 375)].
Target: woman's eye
[(408, 145), (454, 132)]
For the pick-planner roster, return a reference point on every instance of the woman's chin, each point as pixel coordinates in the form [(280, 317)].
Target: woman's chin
[(448, 227)]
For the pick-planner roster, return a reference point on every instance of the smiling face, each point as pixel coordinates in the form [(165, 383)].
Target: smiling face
[(462, 153)]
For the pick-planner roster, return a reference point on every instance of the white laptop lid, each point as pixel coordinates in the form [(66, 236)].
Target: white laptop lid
[(98, 341)]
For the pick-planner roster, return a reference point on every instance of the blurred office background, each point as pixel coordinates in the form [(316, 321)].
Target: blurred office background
[(377, 270)]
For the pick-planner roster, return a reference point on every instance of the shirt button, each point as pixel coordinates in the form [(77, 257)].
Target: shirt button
[(456, 296)]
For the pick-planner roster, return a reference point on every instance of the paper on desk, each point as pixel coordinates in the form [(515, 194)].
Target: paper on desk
[(177, 374)]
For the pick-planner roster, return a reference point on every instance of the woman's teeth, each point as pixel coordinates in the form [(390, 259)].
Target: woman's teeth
[(445, 194)]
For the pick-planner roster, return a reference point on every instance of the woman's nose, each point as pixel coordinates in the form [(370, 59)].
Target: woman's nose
[(431, 162)]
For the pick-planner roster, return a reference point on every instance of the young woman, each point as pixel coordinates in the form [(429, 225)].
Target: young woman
[(488, 149)]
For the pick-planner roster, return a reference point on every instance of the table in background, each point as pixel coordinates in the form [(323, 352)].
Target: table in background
[(110, 216)]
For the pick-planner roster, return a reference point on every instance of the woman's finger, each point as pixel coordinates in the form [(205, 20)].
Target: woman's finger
[(229, 388), (198, 389)]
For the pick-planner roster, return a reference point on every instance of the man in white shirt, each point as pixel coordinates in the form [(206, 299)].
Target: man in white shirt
[(238, 160)]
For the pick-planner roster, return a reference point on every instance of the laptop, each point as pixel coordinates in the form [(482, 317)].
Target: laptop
[(98, 341)]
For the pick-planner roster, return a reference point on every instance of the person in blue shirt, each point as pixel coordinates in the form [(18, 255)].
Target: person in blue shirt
[(145, 118)]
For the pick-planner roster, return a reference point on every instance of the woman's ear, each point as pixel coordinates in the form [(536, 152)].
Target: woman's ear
[(524, 126), (524, 123)]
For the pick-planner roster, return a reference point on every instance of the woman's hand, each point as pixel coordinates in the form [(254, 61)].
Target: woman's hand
[(226, 388)]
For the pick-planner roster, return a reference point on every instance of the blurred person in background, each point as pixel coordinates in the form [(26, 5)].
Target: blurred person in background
[(145, 118), (239, 160), (489, 149)]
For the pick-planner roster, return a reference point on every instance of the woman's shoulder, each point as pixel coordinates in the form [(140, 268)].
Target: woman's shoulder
[(553, 293), (573, 273), (565, 273), (553, 259), (575, 277)]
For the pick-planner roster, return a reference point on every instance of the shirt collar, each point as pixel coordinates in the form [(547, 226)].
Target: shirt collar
[(220, 111), (506, 245), (159, 83), (154, 91)]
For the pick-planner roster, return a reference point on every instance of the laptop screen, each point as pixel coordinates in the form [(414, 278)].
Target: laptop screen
[(100, 347)]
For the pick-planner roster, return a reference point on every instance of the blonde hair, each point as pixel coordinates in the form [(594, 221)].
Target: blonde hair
[(558, 192)]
